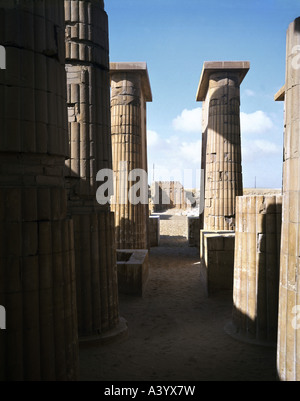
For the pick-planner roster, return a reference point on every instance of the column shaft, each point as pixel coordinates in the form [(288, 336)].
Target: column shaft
[(219, 89), (288, 358), (223, 180), (87, 66), (128, 109), (37, 269)]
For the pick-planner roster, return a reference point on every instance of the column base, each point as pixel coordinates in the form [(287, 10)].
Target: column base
[(232, 330), (117, 333)]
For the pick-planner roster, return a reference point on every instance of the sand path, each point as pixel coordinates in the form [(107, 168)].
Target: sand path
[(176, 333)]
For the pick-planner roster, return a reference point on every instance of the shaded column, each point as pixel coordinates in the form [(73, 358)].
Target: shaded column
[(288, 354), (130, 91), (256, 268), (37, 270), (87, 66), (219, 89)]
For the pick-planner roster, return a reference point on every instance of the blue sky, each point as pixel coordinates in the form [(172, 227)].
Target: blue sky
[(175, 37)]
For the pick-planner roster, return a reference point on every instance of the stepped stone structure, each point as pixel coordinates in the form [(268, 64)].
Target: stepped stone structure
[(88, 90), (130, 91), (219, 90), (256, 268), (288, 355), (37, 270)]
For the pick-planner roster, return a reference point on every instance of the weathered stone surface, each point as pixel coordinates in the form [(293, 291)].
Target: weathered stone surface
[(217, 260), (133, 271), (194, 231), (219, 90), (130, 90), (288, 354), (168, 195), (88, 99), (37, 268), (256, 269), (154, 230)]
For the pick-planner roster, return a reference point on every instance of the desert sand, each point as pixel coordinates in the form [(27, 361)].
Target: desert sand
[(176, 333)]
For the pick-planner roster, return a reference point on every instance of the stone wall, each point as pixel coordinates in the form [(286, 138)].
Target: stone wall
[(256, 268), (168, 195)]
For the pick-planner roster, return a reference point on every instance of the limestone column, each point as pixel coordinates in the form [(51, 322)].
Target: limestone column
[(88, 98), (130, 91), (219, 89), (288, 351), (256, 268), (37, 270)]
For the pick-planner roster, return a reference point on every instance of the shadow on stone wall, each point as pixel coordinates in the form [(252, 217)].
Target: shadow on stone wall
[(255, 306)]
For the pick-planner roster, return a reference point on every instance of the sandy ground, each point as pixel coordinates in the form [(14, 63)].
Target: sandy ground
[(176, 333)]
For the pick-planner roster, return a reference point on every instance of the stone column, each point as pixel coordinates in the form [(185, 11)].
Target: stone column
[(256, 268), (219, 89), (288, 352), (130, 92), (87, 66), (37, 270)]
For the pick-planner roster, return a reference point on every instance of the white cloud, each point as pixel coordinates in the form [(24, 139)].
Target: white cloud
[(152, 138), (174, 158), (267, 147), (189, 121), (249, 93), (191, 152), (256, 123), (260, 149)]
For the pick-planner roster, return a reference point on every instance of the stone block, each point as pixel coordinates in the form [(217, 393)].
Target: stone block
[(154, 230), (133, 271), (217, 260), (194, 231)]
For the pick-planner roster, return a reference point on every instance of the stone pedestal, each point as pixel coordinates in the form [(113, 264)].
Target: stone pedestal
[(37, 268), (130, 90), (87, 68), (194, 231), (154, 230), (256, 268), (219, 90), (288, 358), (133, 271), (217, 260)]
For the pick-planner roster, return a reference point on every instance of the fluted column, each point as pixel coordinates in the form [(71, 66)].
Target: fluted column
[(87, 66), (219, 88), (37, 270), (256, 267), (130, 92), (288, 349)]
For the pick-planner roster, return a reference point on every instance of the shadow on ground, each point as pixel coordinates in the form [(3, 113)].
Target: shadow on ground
[(176, 333)]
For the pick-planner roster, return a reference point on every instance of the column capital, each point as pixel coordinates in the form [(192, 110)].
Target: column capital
[(240, 68), (138, 68), (280, 95)]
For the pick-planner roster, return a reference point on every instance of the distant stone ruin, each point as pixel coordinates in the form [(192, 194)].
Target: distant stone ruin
[(168, 195)]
